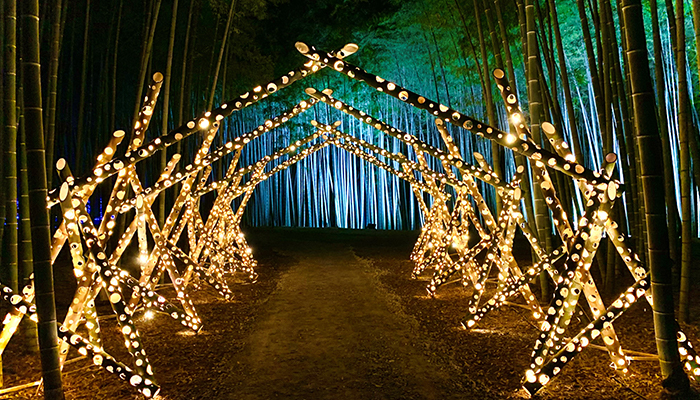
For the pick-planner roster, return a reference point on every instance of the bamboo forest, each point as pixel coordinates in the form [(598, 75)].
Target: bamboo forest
[(386, 199)]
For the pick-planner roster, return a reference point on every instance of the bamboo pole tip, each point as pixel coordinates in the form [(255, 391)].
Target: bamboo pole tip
[(349, 49), (498, 73), (302, 47), (61, 164), (548, 128), (310, 91), (119, 133), (157, 77)]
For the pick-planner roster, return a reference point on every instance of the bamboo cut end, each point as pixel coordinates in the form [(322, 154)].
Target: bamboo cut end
[(548, 129), (301, 47), (348, 49)]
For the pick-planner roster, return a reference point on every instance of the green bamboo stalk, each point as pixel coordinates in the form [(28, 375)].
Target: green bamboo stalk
[(3, 40), (113, 105), (26, 261), (669, 184), (145, 57), (649, 144), (83, 87), (2, 192), (231, 10), (535, 101), (490, 109), (684, 129), (519, 159), (566, 88), (622, 91), (696, 30), (186, 79), (166, 106), (595, 77), (41, 234), (497, 152), (50, 127), (9, 183)]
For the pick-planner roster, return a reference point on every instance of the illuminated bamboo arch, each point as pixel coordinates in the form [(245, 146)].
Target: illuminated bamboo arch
[(217, 246)]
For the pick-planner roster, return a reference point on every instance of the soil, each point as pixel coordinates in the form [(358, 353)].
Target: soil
[(335, 315)]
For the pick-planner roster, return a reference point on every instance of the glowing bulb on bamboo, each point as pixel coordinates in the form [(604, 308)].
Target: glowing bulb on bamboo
[(516, 118)]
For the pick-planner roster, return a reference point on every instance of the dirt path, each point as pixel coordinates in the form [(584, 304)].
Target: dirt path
[(330, 332)]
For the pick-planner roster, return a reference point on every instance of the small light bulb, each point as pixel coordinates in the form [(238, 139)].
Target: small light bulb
[(148, 315)]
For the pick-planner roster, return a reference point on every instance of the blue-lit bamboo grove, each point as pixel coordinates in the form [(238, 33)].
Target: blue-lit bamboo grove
[(335, 188), (444, 184)]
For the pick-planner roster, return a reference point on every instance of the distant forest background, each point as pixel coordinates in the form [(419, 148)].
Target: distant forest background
[(98, 56)]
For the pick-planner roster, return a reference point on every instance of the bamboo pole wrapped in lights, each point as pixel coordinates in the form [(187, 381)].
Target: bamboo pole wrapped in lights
[(600, 192)]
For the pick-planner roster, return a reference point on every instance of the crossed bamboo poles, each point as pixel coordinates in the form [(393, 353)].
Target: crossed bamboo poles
[(217, 246), (552, 349), (208, 259)]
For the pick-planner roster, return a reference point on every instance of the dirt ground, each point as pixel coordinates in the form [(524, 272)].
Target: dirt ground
[(335, 315)]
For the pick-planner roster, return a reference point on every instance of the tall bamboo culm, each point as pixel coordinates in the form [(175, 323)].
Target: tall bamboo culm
[(41, 234), (649, 146), (166, 107), (684, 129), (9, 182), (536, 112)]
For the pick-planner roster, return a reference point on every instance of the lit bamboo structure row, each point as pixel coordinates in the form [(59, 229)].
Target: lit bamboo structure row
[(95, 269), (439, 233), (217, 248), (552, 349), (357, 149)]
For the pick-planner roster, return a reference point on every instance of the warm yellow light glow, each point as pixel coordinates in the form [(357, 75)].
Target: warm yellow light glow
[(516, 119)]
